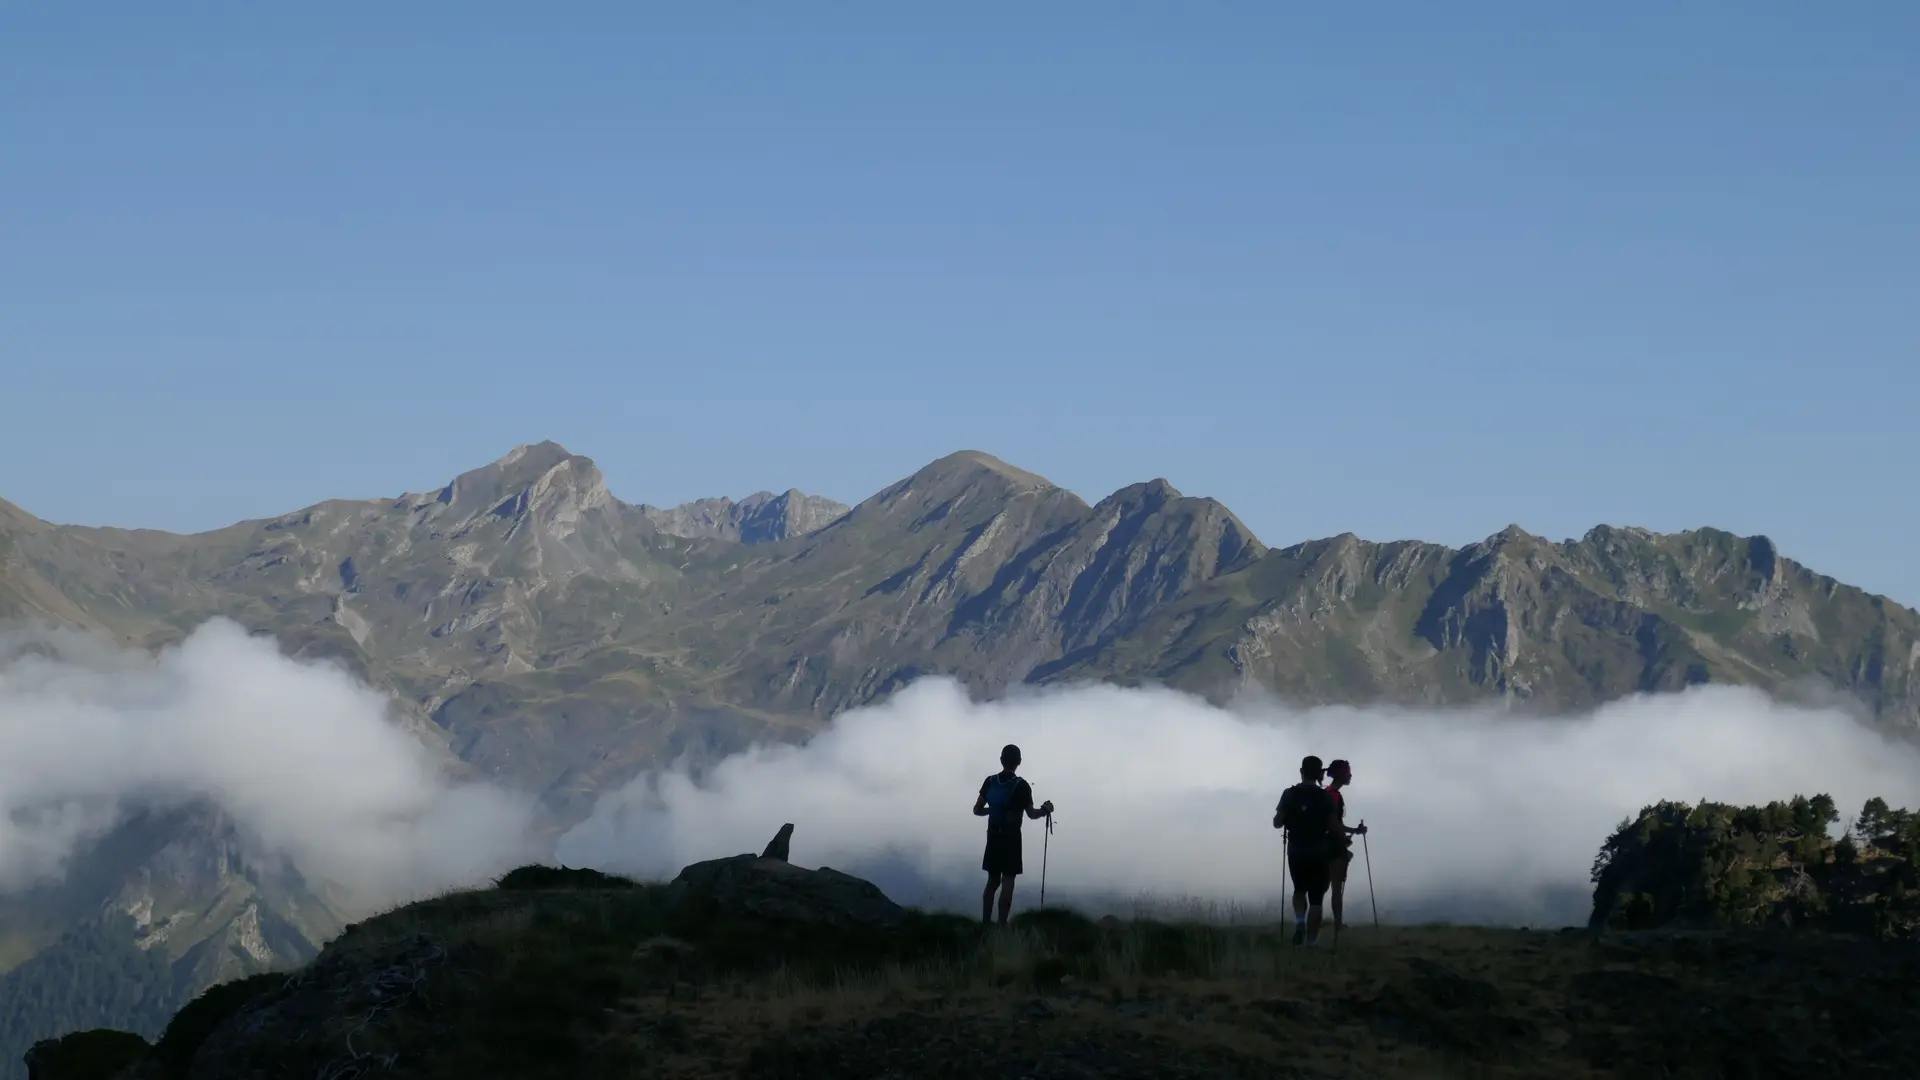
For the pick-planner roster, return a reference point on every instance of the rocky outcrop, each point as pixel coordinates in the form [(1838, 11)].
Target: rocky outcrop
[(760, 518), (777, 847), (769, 887)]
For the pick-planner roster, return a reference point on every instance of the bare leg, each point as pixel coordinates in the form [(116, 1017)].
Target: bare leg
[(986, 898), (1006, 896), (1299, 902), (1313, 922), (1339, 891)]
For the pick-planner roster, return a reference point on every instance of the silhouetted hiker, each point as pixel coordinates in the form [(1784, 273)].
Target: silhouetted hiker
[(1309, 814), (1004, 797), (1342, 774)]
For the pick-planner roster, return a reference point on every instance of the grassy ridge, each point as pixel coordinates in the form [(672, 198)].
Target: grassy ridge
[(559, 974), (1727, 941)]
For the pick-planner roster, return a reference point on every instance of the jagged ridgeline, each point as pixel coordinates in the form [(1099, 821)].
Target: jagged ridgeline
[(1780, 864), (536, 630)]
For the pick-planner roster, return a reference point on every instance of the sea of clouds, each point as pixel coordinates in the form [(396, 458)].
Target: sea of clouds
[(1475, 815), (304, 758)]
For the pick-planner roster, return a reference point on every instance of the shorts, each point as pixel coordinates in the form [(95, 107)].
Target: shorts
[(1311, 875), (1337, 870), (1003, 853)]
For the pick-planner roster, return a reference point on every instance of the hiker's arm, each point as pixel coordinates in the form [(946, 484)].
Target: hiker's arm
[(1026, 796), (980, 803)]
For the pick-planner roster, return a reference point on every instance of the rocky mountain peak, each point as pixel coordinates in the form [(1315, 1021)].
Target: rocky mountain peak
[(1151, 495), (1511, 535), (968, 468), (12, 517), (761, 517), (961, 482), (526, 471), (541, 481), (1607, 535)]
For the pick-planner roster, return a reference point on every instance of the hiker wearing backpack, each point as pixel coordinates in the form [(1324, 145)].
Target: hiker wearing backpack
[(1004, 799), (1309, 814), (1342, 774)]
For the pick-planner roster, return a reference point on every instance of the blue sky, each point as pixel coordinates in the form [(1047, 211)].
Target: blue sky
[(1403, 270)]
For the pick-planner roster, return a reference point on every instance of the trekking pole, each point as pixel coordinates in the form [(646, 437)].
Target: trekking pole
[(1285, 900), (1045, 842), (1371, 898)]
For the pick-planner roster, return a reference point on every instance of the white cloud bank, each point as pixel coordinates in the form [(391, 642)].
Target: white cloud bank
[(1474, 816), (302, 756)]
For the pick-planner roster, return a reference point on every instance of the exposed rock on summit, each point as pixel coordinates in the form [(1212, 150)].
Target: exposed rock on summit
[(777, 847), (769, 887), (760, 518)]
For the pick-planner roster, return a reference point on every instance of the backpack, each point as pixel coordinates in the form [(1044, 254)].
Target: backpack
[(1307, 813), (1002, 793)]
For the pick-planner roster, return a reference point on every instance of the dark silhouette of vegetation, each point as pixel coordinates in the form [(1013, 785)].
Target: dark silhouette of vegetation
[(561, 877), (92, 977), (1714, 864), (568, 973), (192, 1024), (102, 1052)]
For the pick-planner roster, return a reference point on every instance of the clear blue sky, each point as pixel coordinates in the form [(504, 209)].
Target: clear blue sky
[(1409, 270)]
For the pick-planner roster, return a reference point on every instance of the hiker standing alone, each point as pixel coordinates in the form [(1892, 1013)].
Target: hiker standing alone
[(1342, 774), (1309, 814), (1004, 798)]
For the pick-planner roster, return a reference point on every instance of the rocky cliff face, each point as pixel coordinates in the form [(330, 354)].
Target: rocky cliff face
[(1541, 625), (539, 630), (167, 904), (757, 519)]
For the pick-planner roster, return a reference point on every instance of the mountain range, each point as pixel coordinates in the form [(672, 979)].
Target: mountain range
[(537, 631)]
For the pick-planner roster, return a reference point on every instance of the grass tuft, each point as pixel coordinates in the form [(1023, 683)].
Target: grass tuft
[(562, 877)]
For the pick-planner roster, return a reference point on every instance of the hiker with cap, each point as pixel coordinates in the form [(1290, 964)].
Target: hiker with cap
[(1309, 815), (1004, 799), (1341, 772)]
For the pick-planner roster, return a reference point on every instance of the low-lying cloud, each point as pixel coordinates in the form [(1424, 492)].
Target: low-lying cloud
[(1475, 815), (305, 759)]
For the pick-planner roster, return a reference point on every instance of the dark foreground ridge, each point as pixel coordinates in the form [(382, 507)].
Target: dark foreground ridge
[(753, 967)]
